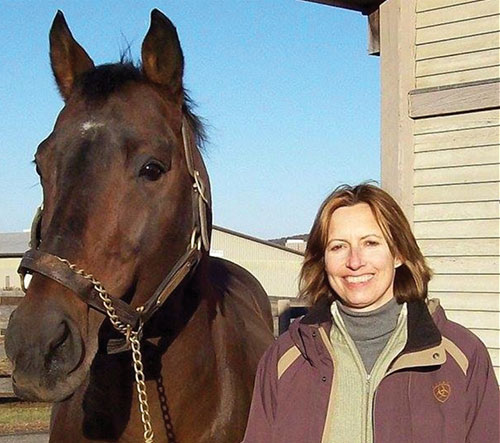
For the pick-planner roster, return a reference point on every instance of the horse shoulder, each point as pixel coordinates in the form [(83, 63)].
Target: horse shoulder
[(242, 291)]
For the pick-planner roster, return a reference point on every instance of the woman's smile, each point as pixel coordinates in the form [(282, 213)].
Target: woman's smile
[(357, 280)]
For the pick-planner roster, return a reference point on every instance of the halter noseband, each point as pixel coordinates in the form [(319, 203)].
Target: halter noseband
[(83, 285)]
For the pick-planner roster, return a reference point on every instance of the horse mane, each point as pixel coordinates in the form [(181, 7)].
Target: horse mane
[(103, 80)]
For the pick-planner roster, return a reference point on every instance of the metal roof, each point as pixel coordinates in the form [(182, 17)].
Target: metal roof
[(14, 244), (257, 240), (364, 6)]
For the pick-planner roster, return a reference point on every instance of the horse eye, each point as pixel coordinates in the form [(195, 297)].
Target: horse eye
[(152, 171)]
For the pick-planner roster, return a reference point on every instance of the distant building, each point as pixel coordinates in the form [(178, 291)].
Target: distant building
[(12, 247), (275, 266), (295, 242)]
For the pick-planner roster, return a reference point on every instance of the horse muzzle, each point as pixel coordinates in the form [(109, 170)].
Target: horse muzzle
[(46, 360)]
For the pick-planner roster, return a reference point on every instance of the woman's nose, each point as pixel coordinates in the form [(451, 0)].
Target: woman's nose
[(355, 259)]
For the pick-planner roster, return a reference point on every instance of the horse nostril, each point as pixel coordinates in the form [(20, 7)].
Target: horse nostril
[(64, 350), (56, 347), (61, 335)]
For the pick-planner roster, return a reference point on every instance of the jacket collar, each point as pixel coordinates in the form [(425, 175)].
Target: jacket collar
[(319, 312), (422, 331)]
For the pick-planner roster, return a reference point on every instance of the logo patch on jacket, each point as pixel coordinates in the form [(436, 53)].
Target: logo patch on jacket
[(442, 391)]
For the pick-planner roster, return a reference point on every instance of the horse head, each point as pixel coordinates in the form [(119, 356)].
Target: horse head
[(117, 173)]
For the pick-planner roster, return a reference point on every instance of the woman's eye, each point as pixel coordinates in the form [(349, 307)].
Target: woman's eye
[(336, 247), (152, 171), (372, 243)]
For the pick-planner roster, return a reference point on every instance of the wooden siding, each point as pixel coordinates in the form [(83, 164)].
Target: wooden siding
[(458, 138), (480, 319), (457, 193), (465, 174), (481, 95), (470, 44), (456, 30), (457, 217), (440, 75), (457, 157), (457, 42), (460, 62), (429, 5), (458, 77), (461, 229), (452, 123), (451, 247), (467, 283), (460, 11), (466, 301), (457, 212)]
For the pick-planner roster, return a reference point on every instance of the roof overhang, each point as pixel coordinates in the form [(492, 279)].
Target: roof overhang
[(366, 7)]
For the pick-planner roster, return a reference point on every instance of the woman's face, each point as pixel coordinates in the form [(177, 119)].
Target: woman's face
[(358, 262)]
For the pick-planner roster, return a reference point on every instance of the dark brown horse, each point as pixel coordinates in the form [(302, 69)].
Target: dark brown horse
[(120, 260)]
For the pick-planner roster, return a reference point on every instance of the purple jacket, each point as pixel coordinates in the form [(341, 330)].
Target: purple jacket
[(440, 389)]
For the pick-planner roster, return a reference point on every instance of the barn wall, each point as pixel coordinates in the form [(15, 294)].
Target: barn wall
[(276, 269), (457, 216), (457, 41), (457, 160), (440, 73)]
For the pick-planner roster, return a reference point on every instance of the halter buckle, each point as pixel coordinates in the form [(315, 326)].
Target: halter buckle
[(21, 277), (195, 240), (198, 186)]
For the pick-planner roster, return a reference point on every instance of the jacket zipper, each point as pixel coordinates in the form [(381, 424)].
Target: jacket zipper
[(367, 405)]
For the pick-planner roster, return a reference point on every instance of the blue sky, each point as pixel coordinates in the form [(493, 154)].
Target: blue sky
[(291, 98)]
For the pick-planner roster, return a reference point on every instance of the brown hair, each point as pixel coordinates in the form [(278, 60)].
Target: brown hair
[(412, 277)]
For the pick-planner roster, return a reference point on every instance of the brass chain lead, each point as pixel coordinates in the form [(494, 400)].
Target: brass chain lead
[(140, 383), (133, 337)]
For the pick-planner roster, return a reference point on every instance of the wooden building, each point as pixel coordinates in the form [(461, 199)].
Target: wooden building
[(440, 143)]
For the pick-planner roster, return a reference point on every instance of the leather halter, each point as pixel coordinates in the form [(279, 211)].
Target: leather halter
[(57, 269)]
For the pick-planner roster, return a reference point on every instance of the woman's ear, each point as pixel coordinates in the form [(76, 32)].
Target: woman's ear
[(398, 262)]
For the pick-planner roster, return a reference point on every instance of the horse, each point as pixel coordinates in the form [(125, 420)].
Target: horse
[(124, 295)]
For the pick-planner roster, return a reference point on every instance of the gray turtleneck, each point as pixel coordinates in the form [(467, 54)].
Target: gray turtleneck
[(371, 330)]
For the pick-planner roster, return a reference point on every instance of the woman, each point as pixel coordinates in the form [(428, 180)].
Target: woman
[(374, 359)]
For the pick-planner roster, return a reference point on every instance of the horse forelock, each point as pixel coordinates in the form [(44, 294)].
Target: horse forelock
[(104, 80)]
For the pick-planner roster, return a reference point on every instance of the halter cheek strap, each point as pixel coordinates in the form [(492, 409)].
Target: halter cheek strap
[(200, 200)]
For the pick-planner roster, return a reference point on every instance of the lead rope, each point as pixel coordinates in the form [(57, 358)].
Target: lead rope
[(133, 337)]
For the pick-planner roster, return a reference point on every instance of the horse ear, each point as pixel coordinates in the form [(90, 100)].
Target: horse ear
[(68, 59), (162, 59)]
